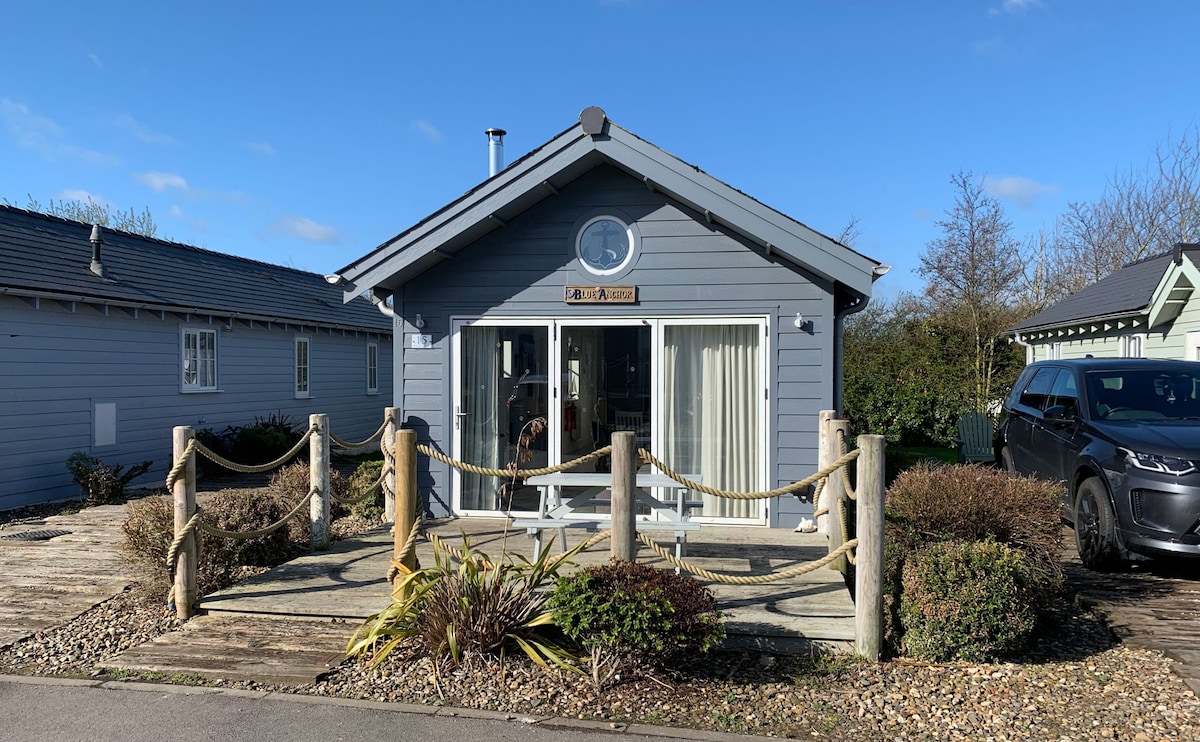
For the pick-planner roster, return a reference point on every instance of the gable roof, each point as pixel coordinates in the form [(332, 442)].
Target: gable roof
[(49, 257), (1154, 288), (592, 142)]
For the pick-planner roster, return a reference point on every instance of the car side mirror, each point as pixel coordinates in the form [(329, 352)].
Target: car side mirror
[(1059, 413)]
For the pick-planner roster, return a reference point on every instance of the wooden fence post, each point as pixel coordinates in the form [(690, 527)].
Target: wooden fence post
[(318, 468), (184, 493), (624, 483), (389, 447), (868, 561), (406, 495), (835, 488), (824, 459)]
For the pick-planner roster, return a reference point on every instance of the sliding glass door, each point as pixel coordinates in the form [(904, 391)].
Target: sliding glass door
[(691, 391)]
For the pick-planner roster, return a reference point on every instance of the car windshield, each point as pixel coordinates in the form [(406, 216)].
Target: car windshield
[(1143, 394)]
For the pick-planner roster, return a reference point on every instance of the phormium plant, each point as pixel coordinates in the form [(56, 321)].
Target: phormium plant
[(99, 483)]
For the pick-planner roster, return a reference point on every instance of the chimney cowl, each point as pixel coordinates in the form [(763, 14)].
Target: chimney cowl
[(495, 150), (97, 239)]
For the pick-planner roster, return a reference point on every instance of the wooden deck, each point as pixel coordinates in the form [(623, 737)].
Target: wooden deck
[(247, 627), (47, 583)]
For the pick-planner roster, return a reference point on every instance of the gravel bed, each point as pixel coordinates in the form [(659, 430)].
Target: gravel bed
[(1075, 683)]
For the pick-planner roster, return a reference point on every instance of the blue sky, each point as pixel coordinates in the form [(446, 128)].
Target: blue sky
[(309, 133)]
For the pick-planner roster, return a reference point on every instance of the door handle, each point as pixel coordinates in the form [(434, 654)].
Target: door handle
[(458, 416)]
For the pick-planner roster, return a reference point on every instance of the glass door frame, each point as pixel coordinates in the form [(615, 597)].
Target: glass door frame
[(554, 328)]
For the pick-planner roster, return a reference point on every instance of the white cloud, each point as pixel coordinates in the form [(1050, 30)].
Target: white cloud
[(429, 130), (924, 215), (82, 196), (160, 182), (42, 135), (262, 148), (1019, 190), (125, 122), (305, 229), (1014, 6), (95, 60)]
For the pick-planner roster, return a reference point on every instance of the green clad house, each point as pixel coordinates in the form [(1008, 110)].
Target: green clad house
[(1147, 309)]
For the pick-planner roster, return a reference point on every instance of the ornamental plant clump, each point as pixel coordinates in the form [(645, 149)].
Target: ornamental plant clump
[(466, 606), (628, 615), (99, 483)]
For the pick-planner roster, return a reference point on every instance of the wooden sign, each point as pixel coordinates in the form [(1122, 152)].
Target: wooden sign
[(600, 294)]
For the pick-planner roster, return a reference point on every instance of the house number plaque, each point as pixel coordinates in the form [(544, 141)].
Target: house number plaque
[(600, 294)]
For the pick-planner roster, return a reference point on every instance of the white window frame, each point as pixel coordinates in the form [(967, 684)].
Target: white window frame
[(1133, 346), (372, 368), (657, 325), (303, 381), (1192, 348), (190, 347), (1053, 351)]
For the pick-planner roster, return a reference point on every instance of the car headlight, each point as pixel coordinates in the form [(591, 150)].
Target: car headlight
[(1161, 464)]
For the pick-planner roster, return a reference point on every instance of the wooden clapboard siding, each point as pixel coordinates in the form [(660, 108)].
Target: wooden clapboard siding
[(687, 267), (55, 364)]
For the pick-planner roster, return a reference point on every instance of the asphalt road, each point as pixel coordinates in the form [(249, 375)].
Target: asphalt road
[(53, 710)]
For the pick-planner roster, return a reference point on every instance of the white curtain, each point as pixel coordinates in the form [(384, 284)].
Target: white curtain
[(480, 426), (711, 424)]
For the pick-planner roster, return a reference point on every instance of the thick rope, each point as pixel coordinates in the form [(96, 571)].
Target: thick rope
[(177, 469), (846, 535), (259, 468), (244, 535), (697, 487), (508, 473), (744, 579), (841, 436), (377, 434)]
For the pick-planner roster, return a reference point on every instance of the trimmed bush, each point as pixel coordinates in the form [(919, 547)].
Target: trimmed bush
[(929, 505), (626, 614), (149, 529), (367, 474), (290, 483), (968, 601)]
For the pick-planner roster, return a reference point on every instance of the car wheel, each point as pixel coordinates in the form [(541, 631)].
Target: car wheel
[(1006, 461), (1095, 527)]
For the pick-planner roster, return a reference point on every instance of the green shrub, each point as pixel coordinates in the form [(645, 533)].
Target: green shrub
[(967, 600), (290, 483), (149, 529), (99, 483), (627, 614), (367, 474), (929, 505), (455, 613)]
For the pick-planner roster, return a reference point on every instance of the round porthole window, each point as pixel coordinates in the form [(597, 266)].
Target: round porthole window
[(605, 245)]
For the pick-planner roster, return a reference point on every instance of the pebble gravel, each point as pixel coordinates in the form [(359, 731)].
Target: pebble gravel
[(1076, 683)]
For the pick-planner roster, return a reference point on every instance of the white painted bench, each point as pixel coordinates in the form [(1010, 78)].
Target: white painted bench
[(554, 513)]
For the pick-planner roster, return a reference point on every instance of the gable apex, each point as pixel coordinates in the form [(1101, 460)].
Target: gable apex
[(542, 173)]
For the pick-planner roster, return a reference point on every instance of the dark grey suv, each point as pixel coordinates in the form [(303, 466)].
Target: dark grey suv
[(1124, 436)]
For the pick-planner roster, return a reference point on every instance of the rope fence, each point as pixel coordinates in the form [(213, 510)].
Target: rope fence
[(181, 561)]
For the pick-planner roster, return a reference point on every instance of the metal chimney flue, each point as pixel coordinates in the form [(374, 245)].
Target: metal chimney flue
[(97, 267), (495, 150)]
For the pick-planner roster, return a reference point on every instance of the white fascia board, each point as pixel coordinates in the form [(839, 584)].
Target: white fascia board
[(396, 255), (702, 192), (1182, 276)]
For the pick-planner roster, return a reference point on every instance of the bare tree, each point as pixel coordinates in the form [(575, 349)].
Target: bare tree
[(973, 275), (850, 233), (1141, 213), (91, 212)]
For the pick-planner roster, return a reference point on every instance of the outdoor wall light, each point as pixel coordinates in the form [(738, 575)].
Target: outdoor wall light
[(419, 323)]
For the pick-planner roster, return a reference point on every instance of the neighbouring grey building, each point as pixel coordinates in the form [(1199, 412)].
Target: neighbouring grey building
[(106, 344), (1146, 309), (603, 284)]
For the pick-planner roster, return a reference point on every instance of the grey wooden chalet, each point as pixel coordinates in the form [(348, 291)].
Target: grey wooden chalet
[(106, 344), (1148, 308), (601, 284)]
